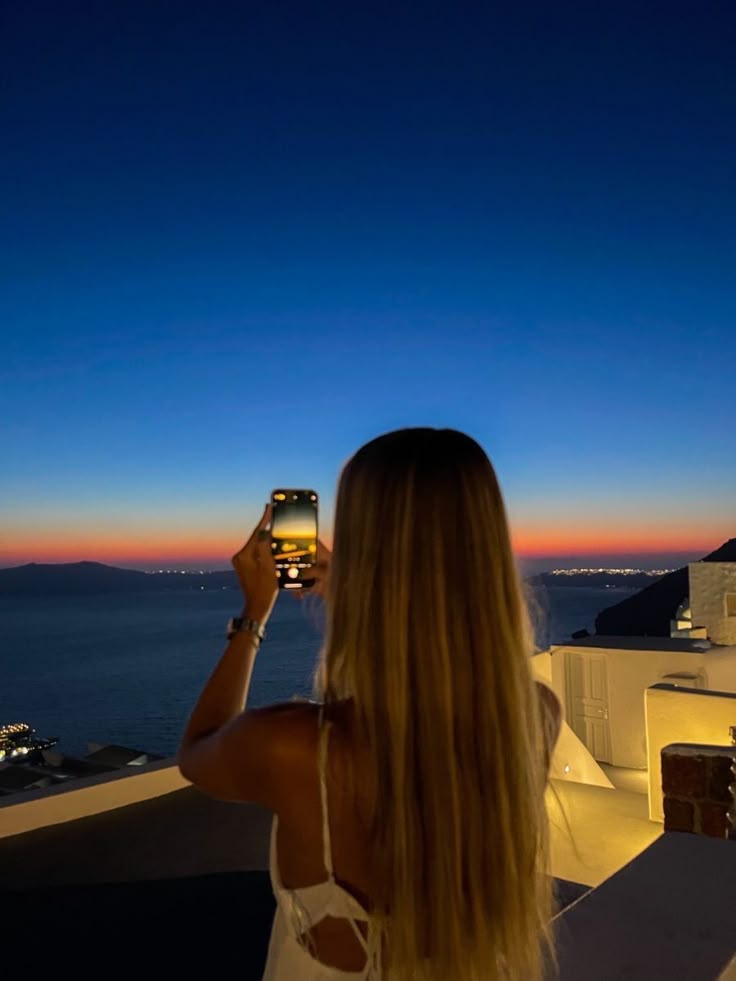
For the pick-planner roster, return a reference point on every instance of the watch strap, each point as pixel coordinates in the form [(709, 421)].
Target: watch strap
[(244, 625)]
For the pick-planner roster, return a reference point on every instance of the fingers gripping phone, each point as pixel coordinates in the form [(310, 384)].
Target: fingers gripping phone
[(294, 536)]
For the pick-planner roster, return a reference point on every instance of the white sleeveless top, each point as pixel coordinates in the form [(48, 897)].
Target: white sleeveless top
[(297, 910)]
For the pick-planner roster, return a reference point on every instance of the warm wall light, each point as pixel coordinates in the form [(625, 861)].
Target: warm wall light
[(682, 715)]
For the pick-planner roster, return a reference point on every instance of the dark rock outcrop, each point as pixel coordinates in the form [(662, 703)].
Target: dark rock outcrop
[(648, 613)]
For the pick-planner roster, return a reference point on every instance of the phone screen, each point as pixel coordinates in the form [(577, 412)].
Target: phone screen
[(294, 536)]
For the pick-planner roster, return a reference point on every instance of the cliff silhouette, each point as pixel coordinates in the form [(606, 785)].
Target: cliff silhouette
[(38, 579), (648, 613)]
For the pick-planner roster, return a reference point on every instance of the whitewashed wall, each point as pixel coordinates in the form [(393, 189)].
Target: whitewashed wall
[(677, 715), (630, 673)]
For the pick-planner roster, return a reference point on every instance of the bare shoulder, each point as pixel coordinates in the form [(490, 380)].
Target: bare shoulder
[(289, 715), (257, 756), (286, 732), (288, 729)]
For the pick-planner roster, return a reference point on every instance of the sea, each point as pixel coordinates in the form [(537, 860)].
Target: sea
[(126, 668)]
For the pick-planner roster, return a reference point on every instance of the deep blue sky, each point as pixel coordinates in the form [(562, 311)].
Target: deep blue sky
[(238, 241)]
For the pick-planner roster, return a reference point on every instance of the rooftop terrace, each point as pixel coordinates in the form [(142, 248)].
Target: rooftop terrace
[(142, 865)]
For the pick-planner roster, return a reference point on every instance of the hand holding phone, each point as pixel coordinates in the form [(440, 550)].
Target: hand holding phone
[(294, 536), (255, 570)]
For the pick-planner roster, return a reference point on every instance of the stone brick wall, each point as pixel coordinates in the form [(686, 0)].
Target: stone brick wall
[(696, 783), (709, 583)]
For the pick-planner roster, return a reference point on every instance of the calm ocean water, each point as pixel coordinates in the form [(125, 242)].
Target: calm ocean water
[(126, 668)]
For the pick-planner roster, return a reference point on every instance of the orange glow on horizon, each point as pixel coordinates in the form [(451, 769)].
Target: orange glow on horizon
[(143, 548), (171, 540), (625, 536), (149, 548), (556, 544)]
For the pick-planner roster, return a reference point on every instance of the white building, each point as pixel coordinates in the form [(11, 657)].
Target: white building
[(624, 698)]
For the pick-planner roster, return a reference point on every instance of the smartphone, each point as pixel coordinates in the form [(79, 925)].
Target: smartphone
[(294, 536)]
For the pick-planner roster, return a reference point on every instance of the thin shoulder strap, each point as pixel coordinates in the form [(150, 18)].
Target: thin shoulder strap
[(324, 730)]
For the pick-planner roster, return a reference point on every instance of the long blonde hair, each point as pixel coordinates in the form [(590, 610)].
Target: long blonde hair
[(427, 633)]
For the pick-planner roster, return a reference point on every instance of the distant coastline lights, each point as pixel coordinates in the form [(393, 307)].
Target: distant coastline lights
[(610, 572)]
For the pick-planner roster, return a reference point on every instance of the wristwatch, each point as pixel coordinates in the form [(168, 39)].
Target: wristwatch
[(243, 625)]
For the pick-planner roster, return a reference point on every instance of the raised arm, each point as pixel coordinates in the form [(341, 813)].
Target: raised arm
[(217, 728)]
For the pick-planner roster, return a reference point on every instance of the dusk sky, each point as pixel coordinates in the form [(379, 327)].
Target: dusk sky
[(240, 240)]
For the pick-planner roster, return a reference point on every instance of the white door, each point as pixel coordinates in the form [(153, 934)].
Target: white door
[(587, 691)]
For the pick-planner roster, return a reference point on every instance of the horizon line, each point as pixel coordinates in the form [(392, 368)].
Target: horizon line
[(149, 565)]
